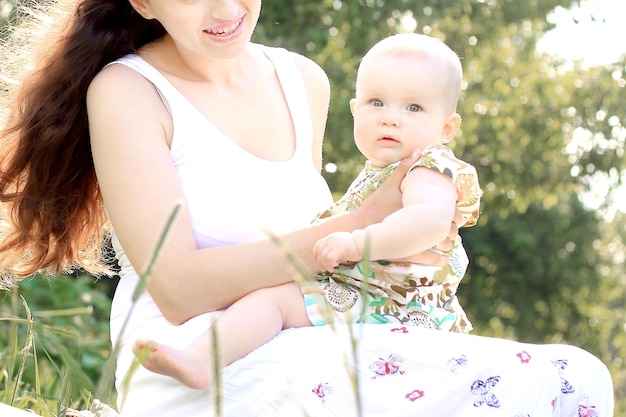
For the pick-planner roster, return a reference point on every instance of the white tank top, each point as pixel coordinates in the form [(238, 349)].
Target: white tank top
[(232, 196)]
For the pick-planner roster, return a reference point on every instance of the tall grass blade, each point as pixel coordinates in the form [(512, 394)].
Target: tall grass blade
[(301, 271), (354, 339), (12, 352), (65, 312), (28, 345), (302, 276), (136, 363), (216, 385), (104, 388), (68, 359), (146, 273), (65, 388), (40, 402)]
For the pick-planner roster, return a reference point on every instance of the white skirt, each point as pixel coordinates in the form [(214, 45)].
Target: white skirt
[(399, 371)]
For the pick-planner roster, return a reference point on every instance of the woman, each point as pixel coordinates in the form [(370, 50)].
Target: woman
[(197, 113)]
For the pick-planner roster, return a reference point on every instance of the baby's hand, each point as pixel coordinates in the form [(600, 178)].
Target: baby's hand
[(334, 249)]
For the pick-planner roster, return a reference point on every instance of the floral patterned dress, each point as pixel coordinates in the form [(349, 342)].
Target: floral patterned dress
[(398, 292)]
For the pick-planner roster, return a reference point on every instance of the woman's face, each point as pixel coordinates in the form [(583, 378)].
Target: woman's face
[(215, 28)]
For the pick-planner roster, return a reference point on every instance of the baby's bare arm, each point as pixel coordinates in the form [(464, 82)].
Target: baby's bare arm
[(429, 205)]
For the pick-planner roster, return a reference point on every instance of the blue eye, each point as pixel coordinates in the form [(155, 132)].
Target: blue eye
[(377, 103), (414, 108)]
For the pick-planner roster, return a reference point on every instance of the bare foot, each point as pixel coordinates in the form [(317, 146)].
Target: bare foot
[(179, 364)]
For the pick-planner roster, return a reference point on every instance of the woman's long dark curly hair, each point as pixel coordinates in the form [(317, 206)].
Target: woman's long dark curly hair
[(51, 213)]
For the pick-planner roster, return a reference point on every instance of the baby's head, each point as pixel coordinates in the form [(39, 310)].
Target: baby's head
[(407, 89), (423, 50)]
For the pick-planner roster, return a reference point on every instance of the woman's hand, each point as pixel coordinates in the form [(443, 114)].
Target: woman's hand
[(388, 197)]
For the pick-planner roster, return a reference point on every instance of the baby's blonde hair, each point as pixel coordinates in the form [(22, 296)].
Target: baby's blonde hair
[(424, 47)]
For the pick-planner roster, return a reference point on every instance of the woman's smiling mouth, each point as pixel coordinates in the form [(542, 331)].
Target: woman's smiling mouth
[(225, 31)]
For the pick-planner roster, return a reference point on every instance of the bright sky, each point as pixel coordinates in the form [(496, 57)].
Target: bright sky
[(594, 31)]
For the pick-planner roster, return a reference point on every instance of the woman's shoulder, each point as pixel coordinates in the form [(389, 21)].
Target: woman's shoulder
[(119, 94), (116, 76), (312, 73), (114, 89), (120, 82)]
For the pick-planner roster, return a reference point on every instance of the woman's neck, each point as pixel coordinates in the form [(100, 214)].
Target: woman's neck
[(171, 59)]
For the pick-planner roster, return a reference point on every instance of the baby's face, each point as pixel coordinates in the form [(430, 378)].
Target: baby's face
[(400, 106)]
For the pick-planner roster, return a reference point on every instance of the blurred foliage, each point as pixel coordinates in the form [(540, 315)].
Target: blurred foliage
[(7, 9), (544, 134), (54, 341)]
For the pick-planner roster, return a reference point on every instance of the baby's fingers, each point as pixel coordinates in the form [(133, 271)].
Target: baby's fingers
[(326, 257)]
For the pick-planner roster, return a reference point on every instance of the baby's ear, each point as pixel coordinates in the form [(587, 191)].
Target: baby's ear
[(352, 104), (451, 127)]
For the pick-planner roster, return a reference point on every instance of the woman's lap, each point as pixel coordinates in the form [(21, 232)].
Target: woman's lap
[(401, 371)]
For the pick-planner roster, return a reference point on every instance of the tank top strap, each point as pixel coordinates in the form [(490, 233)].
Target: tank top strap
[(164, 87), (296, 96)]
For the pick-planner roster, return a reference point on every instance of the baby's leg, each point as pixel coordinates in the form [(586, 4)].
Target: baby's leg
[(244, 326), (257, 318)]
